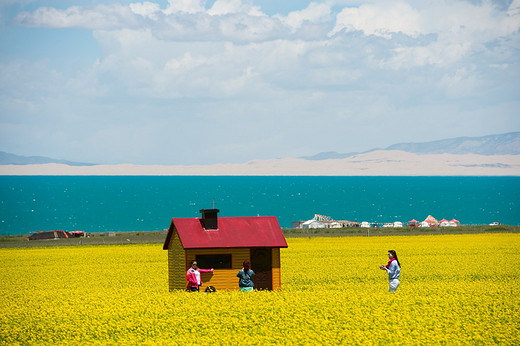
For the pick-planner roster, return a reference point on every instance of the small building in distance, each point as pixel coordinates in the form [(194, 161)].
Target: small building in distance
[(322, 221), (413, 223), (340, 224), (456, 223), (224, 243), (312, 224), (296, 224), (444, 223), (430, 221), (48, 235)]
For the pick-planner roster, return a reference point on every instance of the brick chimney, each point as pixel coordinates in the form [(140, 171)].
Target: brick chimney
[(209, 218)]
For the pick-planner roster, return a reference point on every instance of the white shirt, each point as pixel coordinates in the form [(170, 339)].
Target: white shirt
[(394, 271)]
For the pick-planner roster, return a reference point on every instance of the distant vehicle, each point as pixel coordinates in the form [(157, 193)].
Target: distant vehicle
[(496, 223), (77, 234)]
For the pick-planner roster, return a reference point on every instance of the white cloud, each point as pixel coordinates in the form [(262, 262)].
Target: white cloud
[(184, 6), (444, 32), (465, 22), (222, 7), (97, 17), (455, 20), (315, 12), (146, 9), (206, 50), (459, 83), (436, 53), (182, 20), (186, 63), (514, 8), (382, 20), (379, 68)]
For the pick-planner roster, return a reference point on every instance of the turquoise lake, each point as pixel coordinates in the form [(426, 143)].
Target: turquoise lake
[(144, 203)]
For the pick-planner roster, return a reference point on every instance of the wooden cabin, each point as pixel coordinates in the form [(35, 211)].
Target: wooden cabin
[(224, 243)]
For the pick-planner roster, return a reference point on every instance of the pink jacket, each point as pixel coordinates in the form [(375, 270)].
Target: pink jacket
[(192, 278)]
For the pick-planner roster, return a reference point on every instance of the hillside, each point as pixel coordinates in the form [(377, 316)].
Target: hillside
[(376, 163), (503, 144), (12, 159), (493, 145)]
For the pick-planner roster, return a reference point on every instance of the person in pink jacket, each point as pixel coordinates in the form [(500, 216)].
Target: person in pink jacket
[(193, 276)]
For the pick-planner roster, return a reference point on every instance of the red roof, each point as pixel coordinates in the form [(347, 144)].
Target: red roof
[(232, 232)]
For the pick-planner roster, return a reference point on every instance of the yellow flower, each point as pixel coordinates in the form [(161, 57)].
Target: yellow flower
[(462, 289)]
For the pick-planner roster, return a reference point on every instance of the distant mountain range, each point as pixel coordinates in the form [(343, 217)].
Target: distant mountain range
[(504, 144), (12, 159)]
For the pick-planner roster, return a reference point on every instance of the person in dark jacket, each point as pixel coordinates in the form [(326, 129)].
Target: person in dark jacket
[(245, 283)]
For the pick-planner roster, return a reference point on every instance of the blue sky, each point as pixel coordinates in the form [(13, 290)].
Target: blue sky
[(201, 82)]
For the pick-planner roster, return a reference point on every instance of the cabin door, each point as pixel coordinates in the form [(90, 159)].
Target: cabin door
[(261, 263)]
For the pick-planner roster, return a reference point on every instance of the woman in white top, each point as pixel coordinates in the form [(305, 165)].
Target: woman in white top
[(393, 268)]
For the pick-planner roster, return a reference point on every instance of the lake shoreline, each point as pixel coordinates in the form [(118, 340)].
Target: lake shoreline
[(374, 163), (158, 237)]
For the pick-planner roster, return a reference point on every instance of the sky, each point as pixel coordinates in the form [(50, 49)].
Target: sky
[(181, 82)]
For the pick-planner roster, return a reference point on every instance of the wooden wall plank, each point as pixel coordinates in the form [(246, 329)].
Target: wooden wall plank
[(176, 263), (277, 271)]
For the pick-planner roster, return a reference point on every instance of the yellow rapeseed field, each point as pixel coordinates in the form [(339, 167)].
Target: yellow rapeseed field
[(455, 289)]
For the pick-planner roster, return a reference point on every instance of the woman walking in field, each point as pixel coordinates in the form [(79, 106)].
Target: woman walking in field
[(193, 276), (393, 268), (245, 283)]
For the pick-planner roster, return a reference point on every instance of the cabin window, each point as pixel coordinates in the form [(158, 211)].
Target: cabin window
[(214, 261)]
